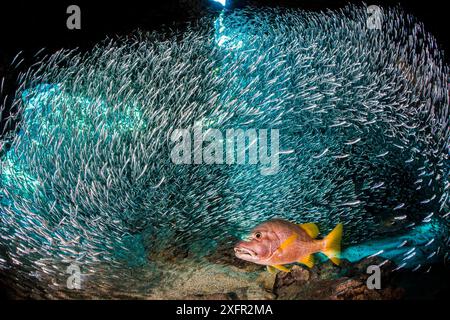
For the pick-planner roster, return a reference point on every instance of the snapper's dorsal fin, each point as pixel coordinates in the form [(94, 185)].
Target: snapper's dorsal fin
[(311, 229)]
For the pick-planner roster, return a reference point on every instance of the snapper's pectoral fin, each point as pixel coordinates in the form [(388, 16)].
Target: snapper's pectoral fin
[(288, 242), (307, 261), (279, 267), (311, 229)]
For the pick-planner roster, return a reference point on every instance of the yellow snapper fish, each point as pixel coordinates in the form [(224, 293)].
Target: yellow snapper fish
[(278, 242)]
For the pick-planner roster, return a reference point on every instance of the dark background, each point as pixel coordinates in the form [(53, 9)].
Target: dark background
[(34, 24)]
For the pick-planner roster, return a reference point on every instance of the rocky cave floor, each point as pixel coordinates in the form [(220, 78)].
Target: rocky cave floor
[(348, 281), (222, 276)]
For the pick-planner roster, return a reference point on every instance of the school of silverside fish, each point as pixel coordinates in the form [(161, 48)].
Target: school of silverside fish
[(364, 140)]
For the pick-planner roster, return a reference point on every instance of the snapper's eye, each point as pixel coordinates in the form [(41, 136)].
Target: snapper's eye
[(258, 235)]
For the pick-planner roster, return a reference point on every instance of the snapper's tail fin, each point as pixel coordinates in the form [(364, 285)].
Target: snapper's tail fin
[(332, 244)]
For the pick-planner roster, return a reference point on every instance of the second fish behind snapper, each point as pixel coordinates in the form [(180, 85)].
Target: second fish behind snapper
[(278, 242)]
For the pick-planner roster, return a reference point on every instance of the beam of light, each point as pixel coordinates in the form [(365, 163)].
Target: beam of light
[(224, 37), (222, 2)]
